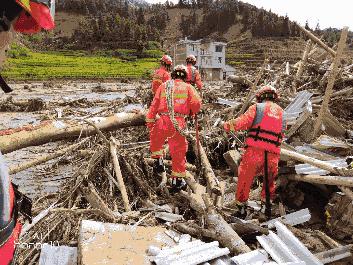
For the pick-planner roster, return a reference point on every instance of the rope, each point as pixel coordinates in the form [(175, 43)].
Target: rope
[(170, 104)]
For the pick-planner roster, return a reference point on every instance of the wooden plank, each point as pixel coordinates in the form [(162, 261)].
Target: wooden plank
[(331, 80)]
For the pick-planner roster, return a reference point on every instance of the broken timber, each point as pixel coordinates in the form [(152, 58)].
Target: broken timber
[(317, 163), (301, 66), (122, 188), (317, 41), (212, 181), (331, 80), (43, 159), (57, 131), (327, 180), (215, 222)]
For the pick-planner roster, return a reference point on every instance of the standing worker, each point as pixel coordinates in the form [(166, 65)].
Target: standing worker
[(265, 126), (173, 102), (193, 75), (162, 74), (27, 17)]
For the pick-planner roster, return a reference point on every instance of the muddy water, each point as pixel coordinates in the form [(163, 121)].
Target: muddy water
[(49, 177)]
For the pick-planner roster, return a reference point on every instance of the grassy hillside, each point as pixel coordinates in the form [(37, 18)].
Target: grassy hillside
[(26, 64)]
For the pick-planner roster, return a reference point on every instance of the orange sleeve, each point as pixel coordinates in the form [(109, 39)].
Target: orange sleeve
[(194, 100), (244, 122), (198, 81), (152, 112)]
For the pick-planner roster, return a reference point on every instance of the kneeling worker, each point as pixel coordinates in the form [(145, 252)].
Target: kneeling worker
[(265, 126), (173, 102)]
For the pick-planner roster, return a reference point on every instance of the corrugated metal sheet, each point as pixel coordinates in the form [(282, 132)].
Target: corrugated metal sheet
[(295, 246), (293, 219), (293, 110), (253, 257), (191, 253), (277, 248)]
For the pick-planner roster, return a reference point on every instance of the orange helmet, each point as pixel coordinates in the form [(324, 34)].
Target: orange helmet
[(167, 60), (179, 71), (191, 59), (266, 91)]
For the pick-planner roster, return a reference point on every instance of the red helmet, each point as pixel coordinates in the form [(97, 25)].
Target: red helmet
[(267, 91), (166, 59), (179, 71), (35, 16), (191, 59)]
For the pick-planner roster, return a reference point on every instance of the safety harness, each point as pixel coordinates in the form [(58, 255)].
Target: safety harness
[(259, 130), (170, 104)]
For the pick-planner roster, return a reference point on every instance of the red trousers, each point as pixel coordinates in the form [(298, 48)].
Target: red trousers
[(164, 130), (8, 249), (251, 165)]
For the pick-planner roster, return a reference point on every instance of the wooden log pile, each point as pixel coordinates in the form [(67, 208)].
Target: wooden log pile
[(114, 180)]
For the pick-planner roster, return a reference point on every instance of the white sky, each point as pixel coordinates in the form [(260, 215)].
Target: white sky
[(327, 13)]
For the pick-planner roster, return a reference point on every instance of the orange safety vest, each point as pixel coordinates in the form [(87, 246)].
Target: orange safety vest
[(191, 75), (266, 131), (159, 77)]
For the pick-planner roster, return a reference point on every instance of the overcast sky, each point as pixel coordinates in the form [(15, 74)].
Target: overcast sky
[(327, 13)]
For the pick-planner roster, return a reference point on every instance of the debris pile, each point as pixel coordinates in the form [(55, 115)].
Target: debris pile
[(114, 190)]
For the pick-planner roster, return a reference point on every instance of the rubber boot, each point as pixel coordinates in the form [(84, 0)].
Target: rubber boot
[(158, 166), (240, 210), (178, 184)]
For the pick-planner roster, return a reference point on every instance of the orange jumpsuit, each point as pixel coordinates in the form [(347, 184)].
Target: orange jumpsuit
[(264, 122), (160, 76), (193, 77), (186, 102)]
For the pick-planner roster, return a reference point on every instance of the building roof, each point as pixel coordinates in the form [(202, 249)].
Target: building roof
[(228, 68), (201, 41)]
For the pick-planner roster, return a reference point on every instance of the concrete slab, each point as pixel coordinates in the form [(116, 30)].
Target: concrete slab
[(112, 244)]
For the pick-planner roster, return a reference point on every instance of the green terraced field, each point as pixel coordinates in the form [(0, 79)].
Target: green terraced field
[(24, 64)]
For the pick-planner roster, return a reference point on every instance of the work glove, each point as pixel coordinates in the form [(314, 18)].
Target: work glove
[(225, 126), (150, 125)]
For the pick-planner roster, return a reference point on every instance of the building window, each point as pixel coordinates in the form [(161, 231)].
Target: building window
[(193, 47), (202, 51), (219, 59), (219, 48)]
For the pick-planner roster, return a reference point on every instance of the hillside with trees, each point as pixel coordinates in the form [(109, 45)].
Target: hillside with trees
[(132, 24)]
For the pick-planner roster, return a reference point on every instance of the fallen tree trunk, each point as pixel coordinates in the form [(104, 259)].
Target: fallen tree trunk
[(316, 162), (56, 131), (43, 159), (212, 181), (317, 41), (220, 229), (327, 180), (226, 235)]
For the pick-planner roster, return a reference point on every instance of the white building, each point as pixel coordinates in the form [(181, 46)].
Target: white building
[(210, 57)]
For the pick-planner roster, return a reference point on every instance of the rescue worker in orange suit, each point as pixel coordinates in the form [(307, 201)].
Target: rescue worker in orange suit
[(162, 74), (193, 75), (27, 17), (265, 126), (172, 103)]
